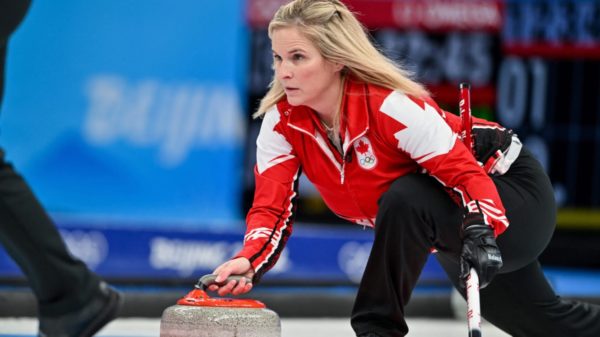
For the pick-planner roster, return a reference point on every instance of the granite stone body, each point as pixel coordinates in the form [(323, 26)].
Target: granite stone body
[(197, 321)]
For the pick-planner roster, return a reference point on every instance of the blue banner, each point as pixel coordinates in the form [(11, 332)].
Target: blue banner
[(130, 110), (313, 254)]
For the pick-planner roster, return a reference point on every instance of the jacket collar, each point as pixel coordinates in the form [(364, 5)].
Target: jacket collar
[(354, 117)]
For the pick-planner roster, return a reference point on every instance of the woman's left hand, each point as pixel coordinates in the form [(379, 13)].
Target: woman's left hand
[(480, 250)]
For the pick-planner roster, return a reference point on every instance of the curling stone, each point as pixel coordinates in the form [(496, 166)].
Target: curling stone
[(198, 315)]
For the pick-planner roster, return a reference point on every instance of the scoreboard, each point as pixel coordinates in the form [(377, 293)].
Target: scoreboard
[(534, 66), (549, 91)]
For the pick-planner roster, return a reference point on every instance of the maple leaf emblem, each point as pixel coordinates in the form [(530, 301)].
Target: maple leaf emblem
[(362, 147)]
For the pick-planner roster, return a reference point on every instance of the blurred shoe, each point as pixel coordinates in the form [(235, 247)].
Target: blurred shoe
[(369, 334), (88, 320)]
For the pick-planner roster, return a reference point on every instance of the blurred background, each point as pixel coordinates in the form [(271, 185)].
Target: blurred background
[(131, 121)]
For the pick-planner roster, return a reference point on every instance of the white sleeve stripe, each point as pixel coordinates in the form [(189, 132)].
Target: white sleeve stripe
[(503, 221), (484, 204), (494, 127), (490, 209), (493, 216), (426, 135), (276, 161)]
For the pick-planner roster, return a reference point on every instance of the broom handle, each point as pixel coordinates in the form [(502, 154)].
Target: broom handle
[(473, 305), (464, 107)]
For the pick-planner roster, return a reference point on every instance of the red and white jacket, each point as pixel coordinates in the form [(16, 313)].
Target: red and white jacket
[(386, 134)]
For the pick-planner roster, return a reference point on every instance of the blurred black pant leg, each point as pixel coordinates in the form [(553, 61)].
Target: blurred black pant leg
[(60, 282)]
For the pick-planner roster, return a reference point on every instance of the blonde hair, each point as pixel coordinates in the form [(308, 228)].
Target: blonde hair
[(342, 39)]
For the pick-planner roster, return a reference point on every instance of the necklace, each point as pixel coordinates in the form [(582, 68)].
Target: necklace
[(335, 140), (327, 128)]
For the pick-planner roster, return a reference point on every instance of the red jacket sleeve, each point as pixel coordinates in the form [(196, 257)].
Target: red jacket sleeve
[(269, 221)]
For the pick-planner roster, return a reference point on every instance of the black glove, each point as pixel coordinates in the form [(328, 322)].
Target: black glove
[(479, 250), (486, 141)]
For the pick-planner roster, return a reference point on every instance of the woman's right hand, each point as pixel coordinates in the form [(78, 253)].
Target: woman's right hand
[(239, 266)]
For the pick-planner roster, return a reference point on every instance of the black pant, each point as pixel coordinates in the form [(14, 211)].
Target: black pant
[(60, 282), (416, 214)]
